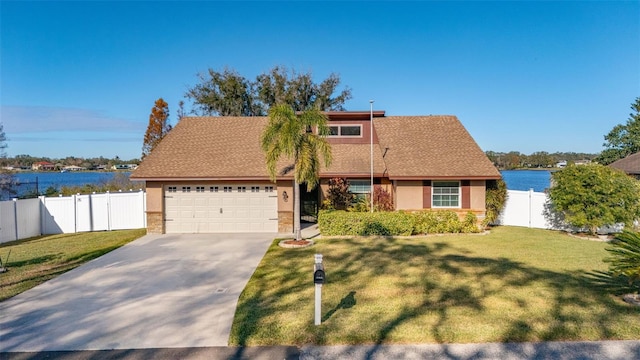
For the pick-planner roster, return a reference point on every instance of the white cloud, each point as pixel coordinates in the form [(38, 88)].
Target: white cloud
[(35, 119)]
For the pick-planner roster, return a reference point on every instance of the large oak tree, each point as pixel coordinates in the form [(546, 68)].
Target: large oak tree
[(227, 93)]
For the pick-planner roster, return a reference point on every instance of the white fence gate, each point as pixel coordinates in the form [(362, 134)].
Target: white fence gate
[(528, 208), (21, 219)]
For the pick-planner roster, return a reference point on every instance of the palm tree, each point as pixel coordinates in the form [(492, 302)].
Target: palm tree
[(291, 136)]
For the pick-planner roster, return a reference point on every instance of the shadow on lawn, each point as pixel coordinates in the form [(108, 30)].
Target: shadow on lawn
[(438, 294), (347, 302)]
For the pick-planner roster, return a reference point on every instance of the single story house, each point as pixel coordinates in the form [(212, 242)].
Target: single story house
[(43, 166), (209, 173), (630, 165), (73, 168)]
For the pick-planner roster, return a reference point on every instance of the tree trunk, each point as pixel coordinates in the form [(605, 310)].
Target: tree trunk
[(296, 210)]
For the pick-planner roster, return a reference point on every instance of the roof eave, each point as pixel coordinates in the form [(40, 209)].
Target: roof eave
[(448, 177)]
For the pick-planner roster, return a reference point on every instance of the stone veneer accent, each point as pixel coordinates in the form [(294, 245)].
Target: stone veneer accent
[(155, 225), (285, 222)]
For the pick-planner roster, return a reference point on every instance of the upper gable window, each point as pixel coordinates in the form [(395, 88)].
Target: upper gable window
[(345, 130), (351, 130)]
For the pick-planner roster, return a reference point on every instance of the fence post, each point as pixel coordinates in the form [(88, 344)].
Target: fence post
[(90, 212), (530, 203), (43, 207), (75, 213), (15, 217), (108, 211), (144, 208)]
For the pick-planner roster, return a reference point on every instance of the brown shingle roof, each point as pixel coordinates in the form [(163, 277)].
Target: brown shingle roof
[(229, 148), (208, 147), (431, 147), (630, 164), (353, 160)]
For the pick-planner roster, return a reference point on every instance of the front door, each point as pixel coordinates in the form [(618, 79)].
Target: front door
[(309, 204)]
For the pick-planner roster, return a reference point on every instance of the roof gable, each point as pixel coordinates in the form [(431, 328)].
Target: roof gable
[(229, 148), (431, 147)]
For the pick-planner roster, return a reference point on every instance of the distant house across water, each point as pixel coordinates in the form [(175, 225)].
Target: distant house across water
[(43, 166), (124, 167)]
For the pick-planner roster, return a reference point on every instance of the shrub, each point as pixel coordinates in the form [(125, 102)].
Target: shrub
[(338, 195), (495, 199), (594, 195), (382, 199), (443, 221), (333, 223), (625, 259), (361, 204)]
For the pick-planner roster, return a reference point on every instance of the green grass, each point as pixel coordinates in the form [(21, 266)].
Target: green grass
[(514, 284), (36, 260)]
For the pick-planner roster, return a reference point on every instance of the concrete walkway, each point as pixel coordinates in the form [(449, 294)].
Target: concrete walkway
[(596, 350), (160, 291)]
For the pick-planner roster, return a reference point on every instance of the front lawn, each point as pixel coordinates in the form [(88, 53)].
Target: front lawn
[(36, 260), (514, 284)]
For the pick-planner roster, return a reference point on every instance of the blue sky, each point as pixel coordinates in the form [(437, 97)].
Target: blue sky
[(80, 78)]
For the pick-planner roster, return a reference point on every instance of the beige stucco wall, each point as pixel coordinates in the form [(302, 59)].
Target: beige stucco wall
[(282, 186), (154, 196), (323, 189), (285, 208), (408, 195)]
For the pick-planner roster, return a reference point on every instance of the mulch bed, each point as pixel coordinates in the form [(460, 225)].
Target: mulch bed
[(293, 244)]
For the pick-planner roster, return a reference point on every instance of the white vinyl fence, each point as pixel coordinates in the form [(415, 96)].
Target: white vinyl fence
[(21, 219), (529, 209), (533, 209)]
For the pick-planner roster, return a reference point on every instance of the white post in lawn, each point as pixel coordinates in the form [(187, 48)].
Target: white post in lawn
[(318, 314), (371, 150), (318, 297)]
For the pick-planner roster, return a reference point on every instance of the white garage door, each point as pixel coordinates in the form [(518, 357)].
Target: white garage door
[(220, 208)]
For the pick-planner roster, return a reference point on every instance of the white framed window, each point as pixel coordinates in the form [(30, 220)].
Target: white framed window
[(242, 189), (255, 189), (345, 130), (445, 194), (227, 189), (199, 188), (172, 189), (186, 189), (213, 189), (360, 188), (268, 189)]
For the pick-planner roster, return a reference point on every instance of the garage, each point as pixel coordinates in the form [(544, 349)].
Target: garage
[(220, 208)]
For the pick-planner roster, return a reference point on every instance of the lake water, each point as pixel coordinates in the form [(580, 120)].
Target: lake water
[(538, 180), (58, 179)]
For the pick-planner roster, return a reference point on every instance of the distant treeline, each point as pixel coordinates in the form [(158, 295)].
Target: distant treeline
[(25, 161), (502, 160), (539, 159)]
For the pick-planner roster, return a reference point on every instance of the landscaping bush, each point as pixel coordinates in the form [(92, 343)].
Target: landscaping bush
[(495, 198), (338, 195), (443, 221), (333, 223), (625, 259)]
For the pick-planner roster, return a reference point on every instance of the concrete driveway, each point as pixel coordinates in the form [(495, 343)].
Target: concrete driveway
[(158, 291)]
